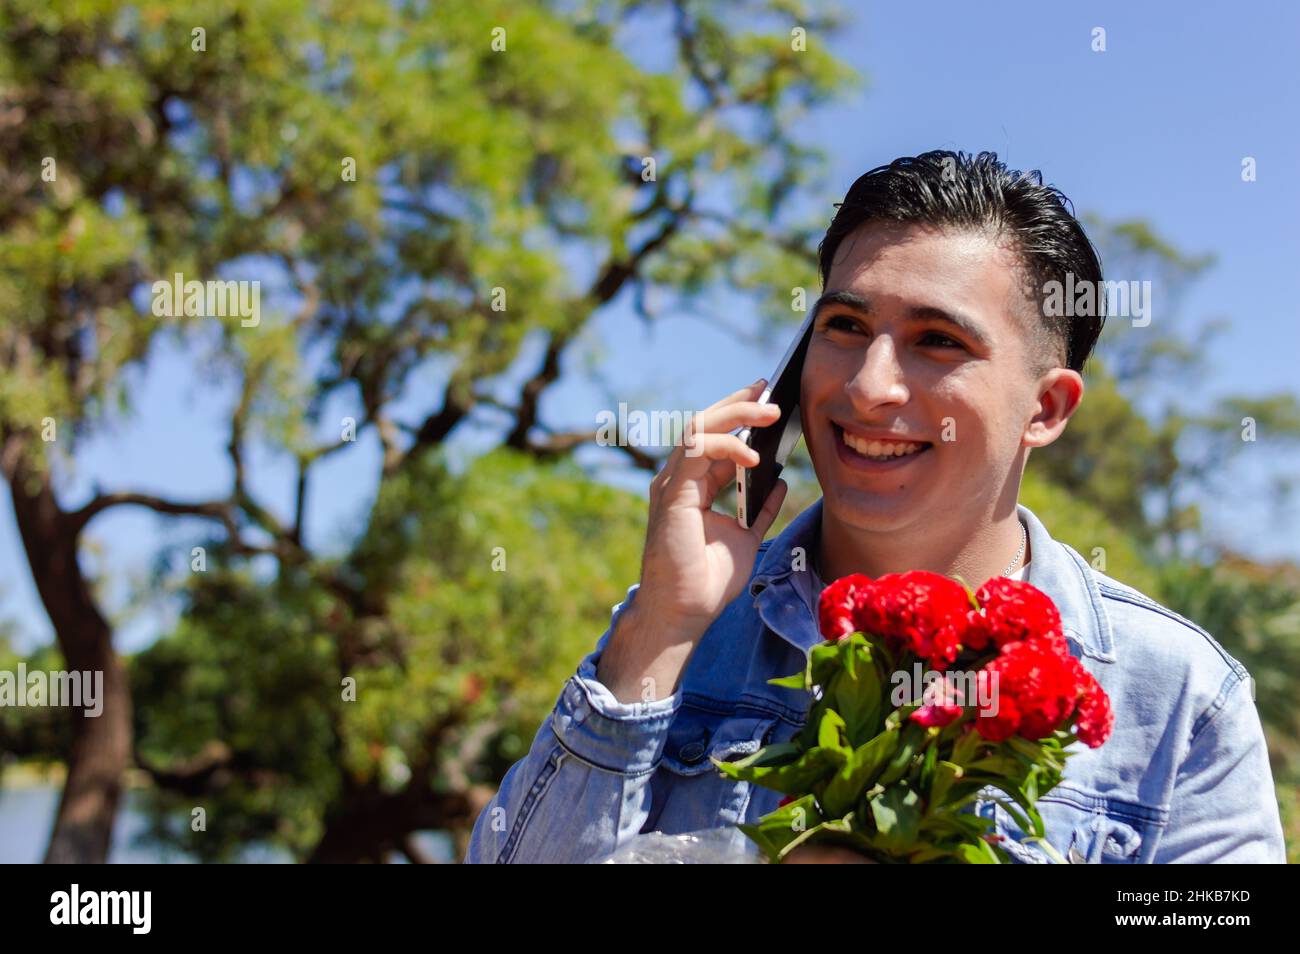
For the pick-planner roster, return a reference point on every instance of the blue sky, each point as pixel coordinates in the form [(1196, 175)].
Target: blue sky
[(1154, 128)]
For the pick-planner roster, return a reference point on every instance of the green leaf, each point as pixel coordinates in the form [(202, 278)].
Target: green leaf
[(824, 661), (913, 737), (1048, 848), (979, 853), (928, 762), (929, 853), (831, 831), (967, 747), (794, 778), (798, 680), (945, 773), (856, 696), (995, 764), (1031, 825), (964, 825), (897, 814), (830, 731), (781, 753), (775, 831), (858, 773)]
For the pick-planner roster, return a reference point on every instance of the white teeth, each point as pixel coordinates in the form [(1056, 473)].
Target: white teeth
[(880, 449)]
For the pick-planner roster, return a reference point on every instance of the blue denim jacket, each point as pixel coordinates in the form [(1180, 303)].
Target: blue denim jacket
[(1184, 777)]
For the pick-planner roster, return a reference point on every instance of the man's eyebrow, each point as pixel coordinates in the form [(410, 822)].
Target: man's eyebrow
[(855, 302)]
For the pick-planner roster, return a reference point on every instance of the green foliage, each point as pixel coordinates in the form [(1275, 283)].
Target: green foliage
[(475, 169), (480, 172), (1254, 612), (253, 676), (1107, 460), (37, 733), (1107, 545)]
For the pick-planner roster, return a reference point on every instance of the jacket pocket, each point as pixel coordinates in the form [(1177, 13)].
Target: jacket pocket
[(688, 791), (1105, 839), (1083, 829), (699, 735)]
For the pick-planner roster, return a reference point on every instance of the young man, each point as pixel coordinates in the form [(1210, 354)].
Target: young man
[(930, 374)]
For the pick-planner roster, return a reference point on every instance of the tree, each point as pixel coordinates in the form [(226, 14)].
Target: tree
[(414, 178), (1140, 450)]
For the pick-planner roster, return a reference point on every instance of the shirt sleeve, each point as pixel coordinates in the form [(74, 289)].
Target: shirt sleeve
[(583, 789), (1224, 807)]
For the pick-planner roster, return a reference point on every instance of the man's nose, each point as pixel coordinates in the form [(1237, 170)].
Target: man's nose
[(880, 379)]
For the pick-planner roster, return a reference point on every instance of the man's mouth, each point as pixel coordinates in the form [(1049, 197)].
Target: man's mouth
[(877, 452)]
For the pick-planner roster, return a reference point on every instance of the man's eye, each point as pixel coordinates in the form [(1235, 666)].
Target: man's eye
[(841, 323), (940, 340)]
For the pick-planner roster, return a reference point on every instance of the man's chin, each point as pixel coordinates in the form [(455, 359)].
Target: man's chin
[(871, 511)]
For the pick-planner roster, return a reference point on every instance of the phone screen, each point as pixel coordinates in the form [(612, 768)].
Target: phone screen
[(775, 441)]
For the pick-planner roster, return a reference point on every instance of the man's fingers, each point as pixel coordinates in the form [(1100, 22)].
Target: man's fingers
[(700, 444), (720, 447), (752, 391), (720, 474), (698, 463), (736, 414), (826, 855), (771, 507)]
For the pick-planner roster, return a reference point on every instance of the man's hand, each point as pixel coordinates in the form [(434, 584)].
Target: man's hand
[(826, 855), (695, 560)]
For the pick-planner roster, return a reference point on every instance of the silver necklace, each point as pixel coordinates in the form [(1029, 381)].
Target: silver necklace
[(1024, 539)]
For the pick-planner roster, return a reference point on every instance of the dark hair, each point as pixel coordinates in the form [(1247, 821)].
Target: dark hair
[(951, 189)]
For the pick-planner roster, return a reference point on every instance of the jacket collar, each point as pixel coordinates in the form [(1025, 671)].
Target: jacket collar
[(1056, 569)]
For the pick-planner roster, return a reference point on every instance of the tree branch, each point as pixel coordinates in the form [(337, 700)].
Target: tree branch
[(553, 445), (215, 509), (434, 429), (611, 280)]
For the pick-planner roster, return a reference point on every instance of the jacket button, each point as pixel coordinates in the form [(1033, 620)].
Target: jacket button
[(692, 752)]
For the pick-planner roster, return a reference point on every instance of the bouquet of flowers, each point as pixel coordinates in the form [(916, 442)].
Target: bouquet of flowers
[(925, 694)]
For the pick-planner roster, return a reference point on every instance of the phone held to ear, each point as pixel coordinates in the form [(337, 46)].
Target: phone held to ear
[(774, 442)]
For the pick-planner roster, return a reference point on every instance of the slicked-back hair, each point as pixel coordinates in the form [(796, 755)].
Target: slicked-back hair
[(954, 190)]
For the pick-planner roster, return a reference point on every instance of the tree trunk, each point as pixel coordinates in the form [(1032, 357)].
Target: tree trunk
[(101, 746), (367, 824)]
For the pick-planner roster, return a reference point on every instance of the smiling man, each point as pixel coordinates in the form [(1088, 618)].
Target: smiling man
[(932, 371), (923, 391)]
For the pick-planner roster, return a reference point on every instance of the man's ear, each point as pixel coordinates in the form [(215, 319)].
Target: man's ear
[(1060, 391)]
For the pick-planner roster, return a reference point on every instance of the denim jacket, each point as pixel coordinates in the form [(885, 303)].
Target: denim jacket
[(1184, 777)]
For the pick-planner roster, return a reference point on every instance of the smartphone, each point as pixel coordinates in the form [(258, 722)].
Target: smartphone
[(775, 441)]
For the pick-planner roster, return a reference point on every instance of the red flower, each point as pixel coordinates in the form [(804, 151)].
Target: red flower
[(1000, 721), (1039, 686), (939, 715), (1036, 687), (1096, 720), (925, 613), (837, 611), (1012, 611), (941, 703)]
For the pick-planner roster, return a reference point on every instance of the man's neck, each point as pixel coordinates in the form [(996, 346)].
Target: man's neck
[(974, 553)]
